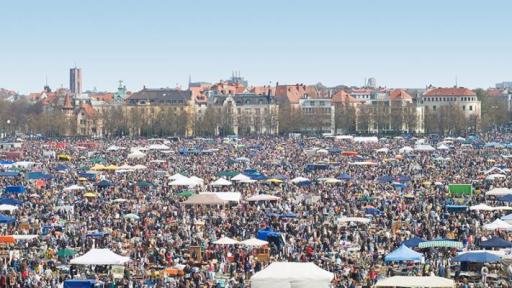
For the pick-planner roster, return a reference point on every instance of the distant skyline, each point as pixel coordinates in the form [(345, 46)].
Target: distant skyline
[(160, 43)]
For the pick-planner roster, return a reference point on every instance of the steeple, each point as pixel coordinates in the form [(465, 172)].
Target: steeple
[(67, 103)]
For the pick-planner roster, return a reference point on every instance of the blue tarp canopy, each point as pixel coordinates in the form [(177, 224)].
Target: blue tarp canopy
[(344, 176), (372, 211), (283, 215), (404, 178), (254, 174), (456, 208), (14, 189), (96, 235), (9, 174), (505, 198), (413, 242), (61, 167), (90, 176), (385, 179), (266, 233), (75, 283), (507, 217), (183, 151), (496, 242), (6, 219), (403, 253), (477, 257), (5, 162), (316, 166), (334, 150), (10, 201), (104, 184), (38, 175)]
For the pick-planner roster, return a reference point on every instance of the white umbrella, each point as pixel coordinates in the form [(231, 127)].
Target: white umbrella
[(136, 155), (74, 188), (226, 241), (253, 242), (131, 216), (158, 147), (184, 182), (382, 150), (139, 167), (416, 281), (354, 219), (406, 150), (178, 176), (498, 224), (499, 191), (197, 180), (299, 180), (221, 182), (263, 197), (443, 147)]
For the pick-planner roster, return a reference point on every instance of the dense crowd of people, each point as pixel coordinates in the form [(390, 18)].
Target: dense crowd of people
[(404, 194)]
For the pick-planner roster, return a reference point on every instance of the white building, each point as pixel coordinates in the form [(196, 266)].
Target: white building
[(435, 99)]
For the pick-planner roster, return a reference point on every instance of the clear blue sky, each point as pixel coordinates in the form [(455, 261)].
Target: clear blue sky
[(159, 43)]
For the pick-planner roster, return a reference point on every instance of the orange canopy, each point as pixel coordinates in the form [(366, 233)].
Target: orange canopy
[(7, 239), (349, 153)]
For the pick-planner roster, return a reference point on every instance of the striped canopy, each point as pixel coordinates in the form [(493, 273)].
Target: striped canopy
[(441, 244)]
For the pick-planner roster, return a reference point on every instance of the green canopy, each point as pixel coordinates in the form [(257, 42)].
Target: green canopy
[(97, 160), (144, 184), (460, 189), (66, 252), (228, 173), (185, 194)]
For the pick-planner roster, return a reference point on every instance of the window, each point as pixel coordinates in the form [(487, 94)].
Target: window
[(470, 107), (434, 107), (463, 107)]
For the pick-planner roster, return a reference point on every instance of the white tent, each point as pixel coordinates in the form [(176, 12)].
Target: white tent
[(114, 148), (158, 147), (299, 180), (481, 207), (100, 257), (498, 224), (424, 148), (499, 191), (136, 155), (253, 242), (246, 181), (197, 180), (495, 176), (292, 275), (406, 150), (263, 197), (74, 188), (178, 176), (382, 150), (354, 219), (184, 182), (416, 281), (240, 177), (443, 147), (221, 182), (227, 196), (24, 164), (343, 137), (370, 139), (7, 207), (226, 241)]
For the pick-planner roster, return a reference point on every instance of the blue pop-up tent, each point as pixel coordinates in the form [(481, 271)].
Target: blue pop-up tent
[(403, 253), (477, 257), (344, 176), (89, 176), (104, 184), (9, 174), (496, 242), (15, 189), (79, 283), (6, 219), (38, 175), (265, 234), (10, 201), (404, 178), (385, 179), (505, 198)]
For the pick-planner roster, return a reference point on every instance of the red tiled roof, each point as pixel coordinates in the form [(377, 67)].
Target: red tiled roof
[(399, 94), (89, 111), (67, 102), (107, 97), (262, 90), (343, 97), (459, 91), (293, 93)]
